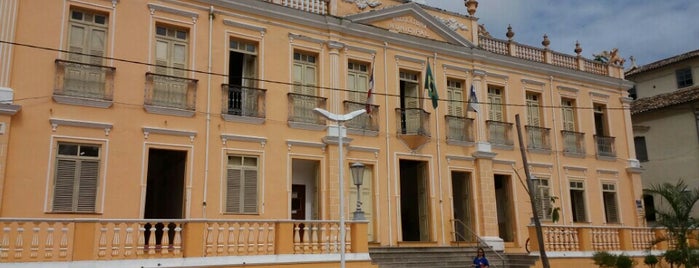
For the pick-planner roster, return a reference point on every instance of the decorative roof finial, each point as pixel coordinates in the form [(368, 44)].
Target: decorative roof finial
[(633, 62), (546, 41), (471, 6), (509, 33), (578, 49)]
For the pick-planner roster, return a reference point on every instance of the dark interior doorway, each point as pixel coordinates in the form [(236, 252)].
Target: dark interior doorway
[(414, 200), (164, 190), (505, 204)]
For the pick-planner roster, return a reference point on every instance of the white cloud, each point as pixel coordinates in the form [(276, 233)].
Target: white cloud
[(650, 30)]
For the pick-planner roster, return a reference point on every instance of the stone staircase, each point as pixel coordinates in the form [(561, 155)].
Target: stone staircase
[(442, 257)]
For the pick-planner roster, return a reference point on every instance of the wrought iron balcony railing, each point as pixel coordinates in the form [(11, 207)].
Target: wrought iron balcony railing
[(301, 108), (170, 91), (243, 101), (413, 121), (499, 133), (573, 142), (459, 128), (538, 138), (605, 146), (83, 80), (368, 121)]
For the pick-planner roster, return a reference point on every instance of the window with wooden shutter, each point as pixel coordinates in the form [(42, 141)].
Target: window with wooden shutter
[(171, 60), (495, 107), (455, 93), (611, 211), (568, 110), (305, 73), (241, 185), (641, 150), (533, 109), (358, 81), (577, 201), (242, 78), (87, 35), (76, 178), (86, 45), (410, 93), (171, 51), (542, 198)]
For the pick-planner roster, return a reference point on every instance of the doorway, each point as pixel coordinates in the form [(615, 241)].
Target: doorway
[(505, 205), (463, 210), (414, 200), (164, 191), (304, 190)]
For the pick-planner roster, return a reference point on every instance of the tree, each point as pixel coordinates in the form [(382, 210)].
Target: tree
[(676, 215)]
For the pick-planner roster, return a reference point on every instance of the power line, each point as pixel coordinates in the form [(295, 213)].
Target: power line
[(287, 83)]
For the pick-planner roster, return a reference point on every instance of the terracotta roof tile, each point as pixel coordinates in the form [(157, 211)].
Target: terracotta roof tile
[(664, 100), (663, 62)]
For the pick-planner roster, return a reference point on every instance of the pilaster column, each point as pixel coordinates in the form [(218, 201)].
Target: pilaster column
[(479, 85), (485, 187), (335, 104), (331, 197)]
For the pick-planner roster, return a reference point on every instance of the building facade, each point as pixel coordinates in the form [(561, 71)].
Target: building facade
[(140, 130), (666, 122)]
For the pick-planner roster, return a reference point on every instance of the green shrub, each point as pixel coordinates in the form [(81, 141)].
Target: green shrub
[(623, 261), (650, 260), (604, 259)]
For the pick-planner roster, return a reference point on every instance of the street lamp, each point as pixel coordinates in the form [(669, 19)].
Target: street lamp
[(340, 119), (358, 177)]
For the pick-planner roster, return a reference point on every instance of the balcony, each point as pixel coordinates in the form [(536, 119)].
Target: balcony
[(594, 238), (500, 134), (301, 114), (413, 126), (605, 146), (459, 130), (538, 138), (170, 95), (573, 143), (83, 84), (243, 104), (63, 240), (366, 124), (313, 6)]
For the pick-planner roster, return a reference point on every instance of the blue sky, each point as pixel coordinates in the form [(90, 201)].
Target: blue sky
[(649, 30)]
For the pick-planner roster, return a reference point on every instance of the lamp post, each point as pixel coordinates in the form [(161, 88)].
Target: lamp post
[(340, 119), (358, 178)]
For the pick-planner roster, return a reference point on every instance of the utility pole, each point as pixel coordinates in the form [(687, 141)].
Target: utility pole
[(530, 185)]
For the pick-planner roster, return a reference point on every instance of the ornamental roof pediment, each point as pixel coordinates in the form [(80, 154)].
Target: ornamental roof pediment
[(411, 19)]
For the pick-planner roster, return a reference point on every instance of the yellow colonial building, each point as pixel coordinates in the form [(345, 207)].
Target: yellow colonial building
[(183, 133)]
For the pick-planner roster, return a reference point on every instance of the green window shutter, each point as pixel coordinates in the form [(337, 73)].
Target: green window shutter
[(233, 187), (309, 80), (87, 188), (97, 45), (76, 42), (495, 112), (64, 185), (568, 115), (161, 56), (533, 111), (298, 78), (179, 60), (250, 191), (610, 207)]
